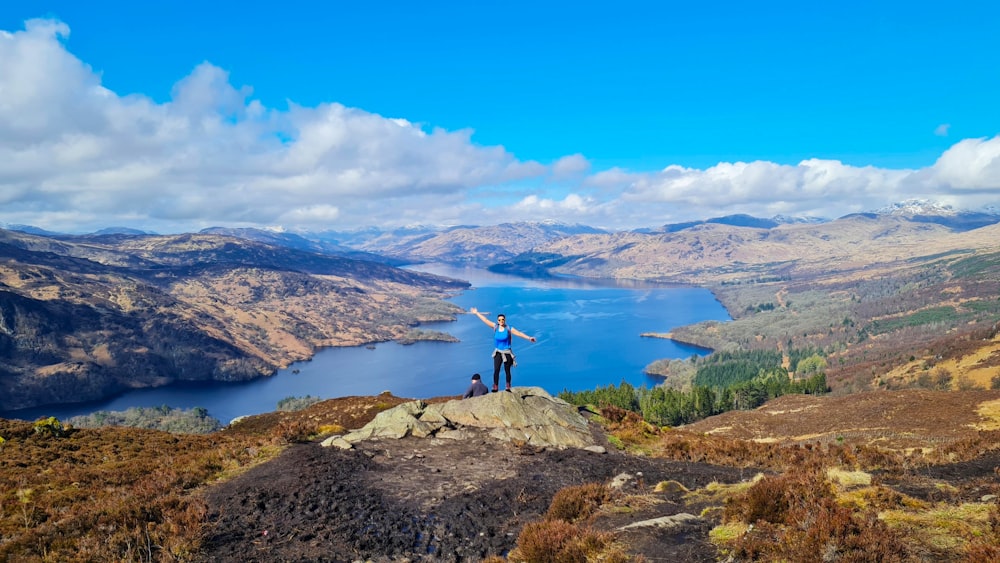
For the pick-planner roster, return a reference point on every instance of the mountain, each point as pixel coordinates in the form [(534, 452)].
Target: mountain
[(737, 220), (926, 211), (85, 317), (897, 464), (723, 252), (306, 241), (376, 238), (473, 245), (121, 231), (27, 229)]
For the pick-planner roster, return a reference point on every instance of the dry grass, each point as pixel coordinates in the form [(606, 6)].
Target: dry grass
[(889, 420), (122, 494), (990, 413), (941, 529), (828, 497)]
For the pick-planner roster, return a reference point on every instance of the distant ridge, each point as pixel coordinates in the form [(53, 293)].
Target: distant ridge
[(927, 211), (464, 244), (299, 242), (122, 231), (736, 220), (28, 229)]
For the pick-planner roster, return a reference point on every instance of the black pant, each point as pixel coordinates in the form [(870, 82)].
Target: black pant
[(497, 361)]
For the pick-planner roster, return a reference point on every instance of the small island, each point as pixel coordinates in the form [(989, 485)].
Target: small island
[(416, 335)]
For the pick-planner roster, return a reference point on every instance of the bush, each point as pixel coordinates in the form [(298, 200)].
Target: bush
[(292, 404), (169, 419), (558, 541), (292, 431), (796, 517), (574, 504), (49, 427)]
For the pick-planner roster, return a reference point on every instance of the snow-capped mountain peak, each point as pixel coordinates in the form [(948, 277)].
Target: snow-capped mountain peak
[(917, 207)]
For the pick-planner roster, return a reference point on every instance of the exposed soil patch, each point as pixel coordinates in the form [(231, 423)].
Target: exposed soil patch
[(966, 481), (432, 499)]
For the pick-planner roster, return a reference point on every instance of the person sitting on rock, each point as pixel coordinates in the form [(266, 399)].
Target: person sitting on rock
[(476, 388)]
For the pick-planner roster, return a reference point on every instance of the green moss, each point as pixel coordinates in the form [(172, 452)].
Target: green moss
[(726, 533)]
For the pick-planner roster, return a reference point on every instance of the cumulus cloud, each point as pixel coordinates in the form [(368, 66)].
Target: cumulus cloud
[(735, 184), (75, 155), (573, 203), (815, 187), (570, 166), (70, 148), (971, 165)]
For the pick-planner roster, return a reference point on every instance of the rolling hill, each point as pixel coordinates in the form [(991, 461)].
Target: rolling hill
[(82, 318)]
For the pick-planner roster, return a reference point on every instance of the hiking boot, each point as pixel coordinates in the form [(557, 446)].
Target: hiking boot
[(508, 389), (496, 387)]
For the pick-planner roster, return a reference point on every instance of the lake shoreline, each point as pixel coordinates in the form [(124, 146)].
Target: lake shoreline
[(670, 336), (587, 336)]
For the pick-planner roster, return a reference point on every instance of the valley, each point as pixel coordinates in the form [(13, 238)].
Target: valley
[(898, 462), (84, 318)]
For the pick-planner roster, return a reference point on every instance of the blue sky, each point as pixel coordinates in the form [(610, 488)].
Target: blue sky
[(179, 115)]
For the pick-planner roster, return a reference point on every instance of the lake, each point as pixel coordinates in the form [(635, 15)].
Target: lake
[(587, 336)]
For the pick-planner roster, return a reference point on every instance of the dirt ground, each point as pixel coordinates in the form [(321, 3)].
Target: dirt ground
[(420, 499), (428, 499)]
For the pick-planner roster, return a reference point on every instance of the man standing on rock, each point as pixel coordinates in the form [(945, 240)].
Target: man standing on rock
[(476, 388), (502, 353)]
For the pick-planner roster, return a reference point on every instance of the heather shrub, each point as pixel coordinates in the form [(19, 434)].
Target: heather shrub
[(626, 426), (295, 431), (772, 498), (558, 541), (796, 517), (574, 504)]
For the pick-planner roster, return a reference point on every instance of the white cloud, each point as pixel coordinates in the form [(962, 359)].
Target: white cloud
[(211, 155), (311, 214), (570, 166), (77, 156), (573, 203), (969, 165)]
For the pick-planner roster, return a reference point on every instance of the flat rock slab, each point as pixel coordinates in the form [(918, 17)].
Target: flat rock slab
[(524, 416)]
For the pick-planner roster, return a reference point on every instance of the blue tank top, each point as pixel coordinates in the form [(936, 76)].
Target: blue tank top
[(502, 338)]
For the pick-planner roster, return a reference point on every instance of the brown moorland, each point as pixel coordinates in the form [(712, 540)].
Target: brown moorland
[(264, 490), (899, 464)]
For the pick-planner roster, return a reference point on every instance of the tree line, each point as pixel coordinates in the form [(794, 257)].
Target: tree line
[(724, 382)]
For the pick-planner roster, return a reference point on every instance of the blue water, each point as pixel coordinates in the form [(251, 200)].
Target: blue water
[(587, 336)]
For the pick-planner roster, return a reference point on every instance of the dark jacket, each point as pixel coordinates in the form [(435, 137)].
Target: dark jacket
[(476, 389)]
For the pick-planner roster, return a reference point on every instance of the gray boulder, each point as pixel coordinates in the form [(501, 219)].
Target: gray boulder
[(526, 415)]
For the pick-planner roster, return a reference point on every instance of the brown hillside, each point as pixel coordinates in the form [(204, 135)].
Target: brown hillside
[(264, 490), (894, 420), (714, 253), (82, 318)]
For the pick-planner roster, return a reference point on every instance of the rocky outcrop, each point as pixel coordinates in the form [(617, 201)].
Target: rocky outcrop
[(526, 415)]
